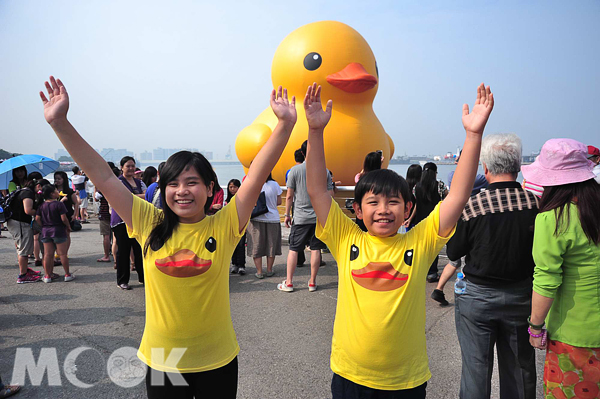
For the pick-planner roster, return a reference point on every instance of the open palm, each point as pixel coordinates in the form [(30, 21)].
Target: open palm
[(57, 103), (475, 120), (283, 109), (315, 115)]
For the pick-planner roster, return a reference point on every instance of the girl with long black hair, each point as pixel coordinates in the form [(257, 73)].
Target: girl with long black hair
[(186, 253), (566, 249), (238, 259)]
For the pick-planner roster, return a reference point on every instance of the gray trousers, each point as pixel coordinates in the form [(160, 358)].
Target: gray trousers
[(487, 316)]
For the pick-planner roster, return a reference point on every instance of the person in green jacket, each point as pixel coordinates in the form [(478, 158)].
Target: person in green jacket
[(565, 309)]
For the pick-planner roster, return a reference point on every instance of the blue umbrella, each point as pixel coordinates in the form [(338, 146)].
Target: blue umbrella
[(33, 163)]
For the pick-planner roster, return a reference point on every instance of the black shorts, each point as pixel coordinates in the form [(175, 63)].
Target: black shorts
[(302, 235), (342, 388), (219, 383)]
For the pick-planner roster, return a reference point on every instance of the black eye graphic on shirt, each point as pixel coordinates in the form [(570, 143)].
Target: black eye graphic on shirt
[(408, 257), (211, 244), (353, 252)]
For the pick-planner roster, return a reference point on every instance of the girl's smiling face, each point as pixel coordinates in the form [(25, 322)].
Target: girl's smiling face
[(233, 189), (187, 194)]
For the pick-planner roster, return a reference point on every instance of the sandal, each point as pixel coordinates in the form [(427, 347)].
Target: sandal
[(102, 260), (9, 390)]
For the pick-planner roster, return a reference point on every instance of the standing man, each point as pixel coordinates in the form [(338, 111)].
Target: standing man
[(495, 233), (302, 232)]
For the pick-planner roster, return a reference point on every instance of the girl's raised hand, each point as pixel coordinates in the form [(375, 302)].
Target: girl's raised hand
[(283, 109), (316, 117), (57, 105), (475, 121)]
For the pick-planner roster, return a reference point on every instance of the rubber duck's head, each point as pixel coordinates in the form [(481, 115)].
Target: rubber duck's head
[(332, 54)]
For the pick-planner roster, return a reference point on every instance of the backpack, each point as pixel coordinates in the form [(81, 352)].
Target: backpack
[(5, 202)]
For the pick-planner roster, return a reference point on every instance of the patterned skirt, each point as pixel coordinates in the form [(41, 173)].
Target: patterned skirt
[(571, 372)]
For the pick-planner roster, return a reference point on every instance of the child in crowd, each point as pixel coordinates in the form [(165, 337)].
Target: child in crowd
[(79, 184), (189, 335), (52, 216), (378, 346), (238, 259), (105, 231)]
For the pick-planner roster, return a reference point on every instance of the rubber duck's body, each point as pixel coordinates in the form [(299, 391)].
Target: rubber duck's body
[(339, 59)]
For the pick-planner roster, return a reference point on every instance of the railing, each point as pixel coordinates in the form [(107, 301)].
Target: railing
[(342, 194)]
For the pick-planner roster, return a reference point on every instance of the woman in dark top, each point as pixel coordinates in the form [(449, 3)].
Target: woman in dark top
[(124, 243), (427, 195)]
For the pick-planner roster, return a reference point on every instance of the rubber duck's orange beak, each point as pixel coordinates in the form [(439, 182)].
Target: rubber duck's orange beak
[(352, 79)]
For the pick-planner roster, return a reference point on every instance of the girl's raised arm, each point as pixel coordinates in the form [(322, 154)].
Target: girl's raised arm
[(268, 156), (55, 112)]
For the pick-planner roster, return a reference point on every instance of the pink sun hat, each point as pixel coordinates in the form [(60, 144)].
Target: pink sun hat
[(561, 161)]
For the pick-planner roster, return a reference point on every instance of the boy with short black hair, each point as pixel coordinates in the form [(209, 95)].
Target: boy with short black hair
[(378, 346)]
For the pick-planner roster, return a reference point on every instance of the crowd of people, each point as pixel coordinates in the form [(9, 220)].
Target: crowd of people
[(529, 253)]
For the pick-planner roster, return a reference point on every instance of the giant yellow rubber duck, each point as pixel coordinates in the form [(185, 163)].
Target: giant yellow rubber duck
[(338, 58)]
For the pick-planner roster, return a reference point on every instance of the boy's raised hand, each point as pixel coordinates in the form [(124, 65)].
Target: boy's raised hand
[(316, 117), (57, 105), (475, 121), (283, 109)]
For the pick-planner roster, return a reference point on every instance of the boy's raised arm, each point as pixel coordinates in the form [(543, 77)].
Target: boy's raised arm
[(55, 112), (462, 183), (316, 173), (268, 156)]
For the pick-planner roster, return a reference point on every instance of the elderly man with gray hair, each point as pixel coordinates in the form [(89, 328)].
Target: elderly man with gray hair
[(495, 233)]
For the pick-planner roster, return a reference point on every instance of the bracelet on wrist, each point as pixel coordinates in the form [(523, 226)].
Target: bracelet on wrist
[(541, 334), (535, 326), (286, 215)]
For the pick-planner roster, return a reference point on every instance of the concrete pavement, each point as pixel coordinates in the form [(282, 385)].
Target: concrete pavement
[(285, 338)]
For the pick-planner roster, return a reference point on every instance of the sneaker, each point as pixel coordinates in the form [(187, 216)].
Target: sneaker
[(47, 279), (432, 278), (33, 272), (241, 270), (124, 286), (438, 296), (285, 287), (69, 277), (54, 276), (312, 287), (259, 276), (27, 278), (234, 269)]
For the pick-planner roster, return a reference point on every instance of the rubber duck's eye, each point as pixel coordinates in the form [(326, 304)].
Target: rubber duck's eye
[(353, 252), (312, 61), (211, 244)]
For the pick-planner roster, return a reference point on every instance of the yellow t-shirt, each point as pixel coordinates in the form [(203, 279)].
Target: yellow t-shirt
[(187, 291), (379, 329)]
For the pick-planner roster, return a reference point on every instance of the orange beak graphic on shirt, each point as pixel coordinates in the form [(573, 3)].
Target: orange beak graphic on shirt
[(379, 276), (183, 263)]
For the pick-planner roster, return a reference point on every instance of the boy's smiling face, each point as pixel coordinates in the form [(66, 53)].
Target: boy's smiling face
[(383, 216)]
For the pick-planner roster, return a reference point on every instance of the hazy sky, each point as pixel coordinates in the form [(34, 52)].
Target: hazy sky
[(146, 74)]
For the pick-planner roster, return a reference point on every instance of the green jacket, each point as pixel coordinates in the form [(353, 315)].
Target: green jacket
[(568, 270)]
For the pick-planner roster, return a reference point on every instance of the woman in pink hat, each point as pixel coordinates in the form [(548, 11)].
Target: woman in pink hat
[(565, 309)]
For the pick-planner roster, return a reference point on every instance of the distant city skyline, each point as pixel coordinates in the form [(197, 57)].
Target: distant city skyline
[(116, 154)]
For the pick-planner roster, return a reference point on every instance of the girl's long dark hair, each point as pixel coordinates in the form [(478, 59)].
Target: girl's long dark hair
[(372, 162), (413, 175), (149, 173), (587, 197), (427, 187), (236, 183), (176, 164), (65, 180)]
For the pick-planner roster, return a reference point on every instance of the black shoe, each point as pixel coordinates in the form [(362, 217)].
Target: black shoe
[(300, 265), (433, 278), (323, 263), (438, 296)]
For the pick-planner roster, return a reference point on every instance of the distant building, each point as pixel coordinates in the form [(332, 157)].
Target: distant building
[(61, 152), (115, 155), (146, 156)]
